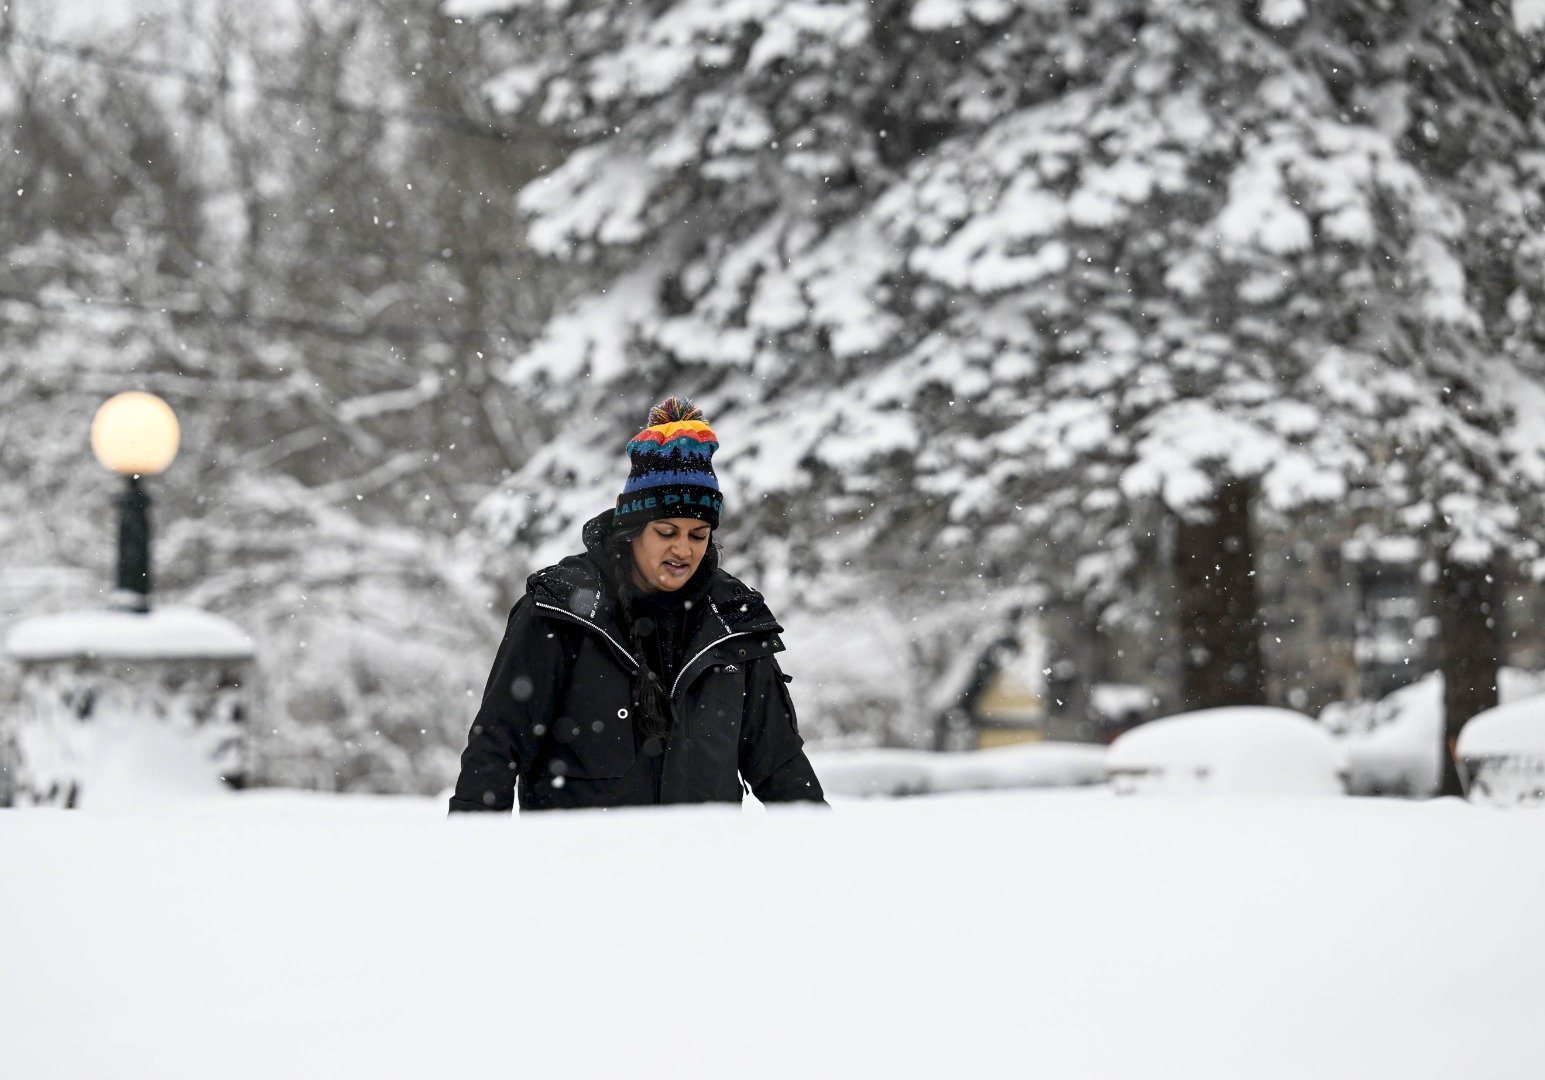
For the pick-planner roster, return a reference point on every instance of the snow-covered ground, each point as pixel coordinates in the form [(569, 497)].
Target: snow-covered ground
[(1066, 934)]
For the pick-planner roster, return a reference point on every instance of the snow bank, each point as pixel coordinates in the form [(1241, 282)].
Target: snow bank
[(163, 633), (914, 772), (1066, 935), (1245, 750)]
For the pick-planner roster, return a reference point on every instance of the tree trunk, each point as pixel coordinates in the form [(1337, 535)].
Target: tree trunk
[(1469, 601), (1220, 619)]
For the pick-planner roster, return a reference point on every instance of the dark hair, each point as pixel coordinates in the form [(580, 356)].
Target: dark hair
[(651, 702)]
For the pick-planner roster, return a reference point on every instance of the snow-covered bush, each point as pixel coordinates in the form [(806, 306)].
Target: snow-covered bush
[(115, 707), (88, 733), (1502, 751), (1247, 751), (1394, 746)]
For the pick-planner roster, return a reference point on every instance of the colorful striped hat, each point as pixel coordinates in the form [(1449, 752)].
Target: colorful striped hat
[(672, 472)]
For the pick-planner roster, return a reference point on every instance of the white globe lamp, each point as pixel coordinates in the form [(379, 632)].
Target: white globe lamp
[(135, 434)]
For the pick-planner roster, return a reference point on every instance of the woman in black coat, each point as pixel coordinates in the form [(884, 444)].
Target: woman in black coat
[(639, 672)]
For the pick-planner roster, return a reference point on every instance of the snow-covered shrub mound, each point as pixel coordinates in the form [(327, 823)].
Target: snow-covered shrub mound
[(129, 757), (1394, 746), (917, 772), (1502, 751), (1236, 750)]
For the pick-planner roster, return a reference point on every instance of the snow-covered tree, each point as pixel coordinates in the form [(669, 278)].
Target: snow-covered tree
[(1467, 457), (1045, 285)]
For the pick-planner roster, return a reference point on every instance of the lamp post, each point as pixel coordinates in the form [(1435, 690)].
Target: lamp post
[(135, 435)]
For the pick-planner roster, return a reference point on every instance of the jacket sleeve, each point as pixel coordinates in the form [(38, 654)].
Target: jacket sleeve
[(518, 706), (772, 754)]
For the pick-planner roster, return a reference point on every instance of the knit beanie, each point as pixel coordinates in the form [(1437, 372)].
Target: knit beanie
[(672, 473)]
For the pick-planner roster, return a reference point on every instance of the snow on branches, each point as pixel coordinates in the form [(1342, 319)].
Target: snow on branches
[(945, 262)]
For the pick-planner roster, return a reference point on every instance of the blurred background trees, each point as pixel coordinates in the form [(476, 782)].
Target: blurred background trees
[(293, 223)]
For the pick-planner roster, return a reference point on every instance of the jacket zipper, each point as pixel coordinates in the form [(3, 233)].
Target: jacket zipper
[(586, 622), (688, 665), (682, 674)]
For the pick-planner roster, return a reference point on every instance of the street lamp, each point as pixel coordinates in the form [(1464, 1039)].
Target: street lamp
[(134, 434)]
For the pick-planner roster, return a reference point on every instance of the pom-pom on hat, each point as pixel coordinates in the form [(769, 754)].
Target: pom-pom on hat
[(672, 473)]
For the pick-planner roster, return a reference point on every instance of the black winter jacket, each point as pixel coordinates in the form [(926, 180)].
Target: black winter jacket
[(555, 723)]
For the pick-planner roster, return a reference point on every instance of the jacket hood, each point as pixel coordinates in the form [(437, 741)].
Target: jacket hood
[(595, 531), (580, 585)]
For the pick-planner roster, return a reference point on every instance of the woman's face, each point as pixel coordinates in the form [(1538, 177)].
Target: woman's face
[(667, 553)]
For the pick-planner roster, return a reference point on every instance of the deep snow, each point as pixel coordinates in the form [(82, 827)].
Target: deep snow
[(1064, 934)]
